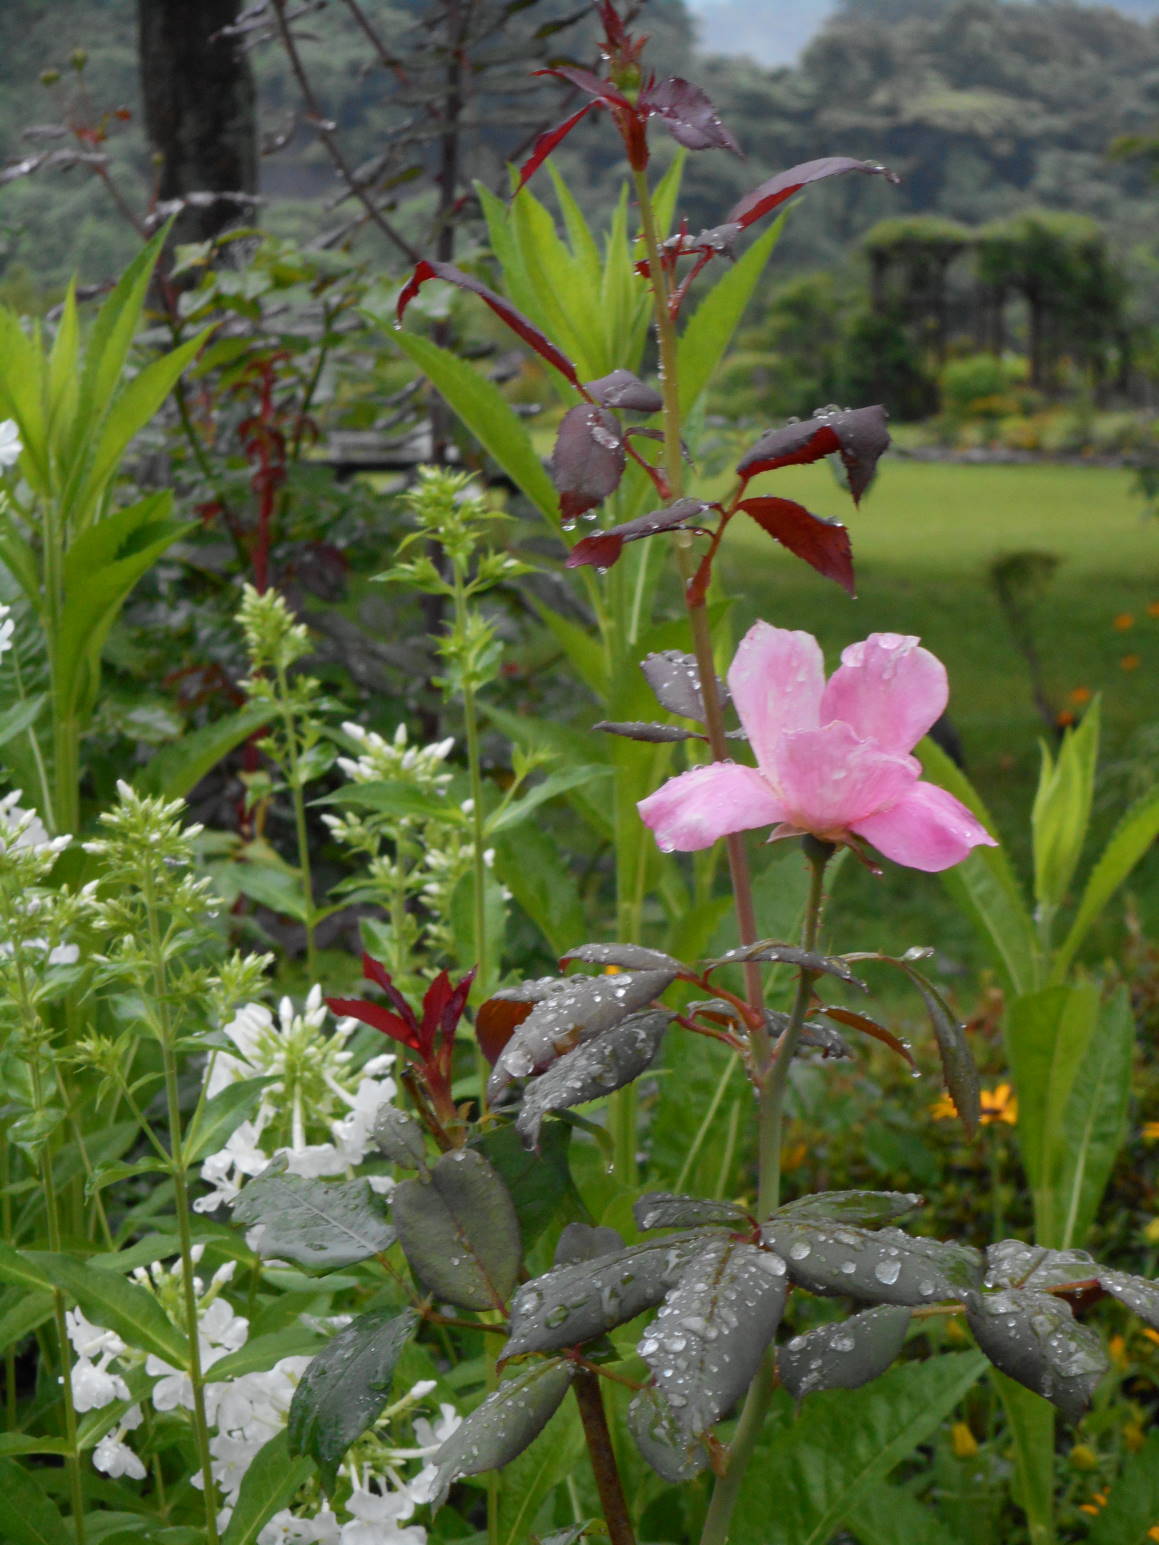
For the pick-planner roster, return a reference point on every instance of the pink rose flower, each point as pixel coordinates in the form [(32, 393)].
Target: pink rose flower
[(832, 756)]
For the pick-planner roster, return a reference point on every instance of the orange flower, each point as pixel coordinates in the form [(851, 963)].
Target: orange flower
[(1123, 621), (1130, 662), (1153, 608), (1080, 694), (1065, 719), (1150, 1132), (998, 1104)]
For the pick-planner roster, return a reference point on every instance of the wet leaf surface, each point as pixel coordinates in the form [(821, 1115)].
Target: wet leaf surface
[(313, 1222), (629, 957), (346, 1386), (584, 1242), (688, 115), (596, 1068), (587, 462), (885, 1266), (622, 389), (662, 1441), (603, 548), (823, 544), (399, 1137), (791, 955), (845, 1355), (781, 187), (662, 1209), (859, 436), (675, 679), (867, 1209), (1035, 1339), (1139, 1294), (459, 1230), (1011, 1263)]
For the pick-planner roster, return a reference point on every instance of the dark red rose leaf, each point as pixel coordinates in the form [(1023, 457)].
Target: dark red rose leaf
[(687, 114), (495, 1024), (595, 86), (588, 460), (622, 389), (547, 142), (761, 200), (503, 309), (378, 1018), (374, 971), (864, 440), (823, 544), (789, 446), (604, 547)]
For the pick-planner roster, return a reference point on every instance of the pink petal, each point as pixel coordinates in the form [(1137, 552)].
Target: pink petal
[(776, 679), (889, 689), (828, 779), (693, 810), (927, 829)]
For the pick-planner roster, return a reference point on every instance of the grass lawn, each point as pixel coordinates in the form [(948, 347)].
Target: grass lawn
[(923, 542)]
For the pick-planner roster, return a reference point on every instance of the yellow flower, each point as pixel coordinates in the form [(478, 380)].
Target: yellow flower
[(1099, 1500), (1150, 1132), (1123, 621), (1134, 1437), (998, 1104), (1153, 608), (1083, 1457), (794, 1156), (1117, 1347), (963, 1441), (1151, 1335)]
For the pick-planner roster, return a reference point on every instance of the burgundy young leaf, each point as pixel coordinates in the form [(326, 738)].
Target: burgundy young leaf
[(588, 460), (858, 435), (785, 184), (604, 547), (547, 142), (595, 86), (823, 544), (622, 389), (687, 114), (503, 309)]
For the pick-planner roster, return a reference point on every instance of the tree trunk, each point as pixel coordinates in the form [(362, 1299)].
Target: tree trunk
[(200, 109)]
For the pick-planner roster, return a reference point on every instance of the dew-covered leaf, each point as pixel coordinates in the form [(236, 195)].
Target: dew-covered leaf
[(816, 1035), (503, 1425), (622, 389), (503, 309), (708, 1339), (687, 114), (1034, 1339), (587, 462), (662, 1209), (317, 1223), (576, 1303), (845, 1355), (1140, 1294), (791, 955), (540, 1183), (884, 1266), (642, 729), (866, 1209), (870, 1027), (629, 957), (1013, 1264), (664, 1444), (592, 1070), (603, 548), (781, 187), (346, 1386), (822, 544), (858, 435), (575, 1011), (399, 1137), (675, 679), (459, 1231), (584, 1242)]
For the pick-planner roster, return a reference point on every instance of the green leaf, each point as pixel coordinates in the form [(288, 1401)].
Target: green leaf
[(61, 375), (316, 1223), (540, 1184), (262, 1352), (346, 1387), (503, 1426), (21, 1314), (391, 796), (214, 1121), (22, 1443), (984, 884), (462, 920), (869, 1209), (27, 1516), (115, 327), (542, 882), (483, 409), (1048, 1034), (530, 1479), (1062, 809), (845, 1354), (273, 887), (107, 1299), (808, 1475), (1031, 1422), (21, 716), (272, 1478), (711, 326), (889, 1515), (178, 768), (1034, 1338), (592, 1071), (1094, 1120), (1133, 1507), (1129, 842), (573, 747), (459, 1231)]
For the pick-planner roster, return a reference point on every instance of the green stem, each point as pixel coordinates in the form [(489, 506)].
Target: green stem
[(299, 803), (771, 1117)]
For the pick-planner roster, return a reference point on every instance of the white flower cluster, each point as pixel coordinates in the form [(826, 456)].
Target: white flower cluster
[(7, 628), (318, 1111), (245, 1413), (382, 759), (10, 446)]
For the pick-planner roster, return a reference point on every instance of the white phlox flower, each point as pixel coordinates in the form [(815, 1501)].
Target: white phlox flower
[(113, 1456), (285, 1528), (379, 758), (7, 628), (24, 829), (378, 1516), (10, 446)]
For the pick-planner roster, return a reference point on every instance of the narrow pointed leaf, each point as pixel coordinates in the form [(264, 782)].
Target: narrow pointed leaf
[(576, 1303), (845, 1355), (858, 435), (661, 1209), (603, 548), (791, 955), (884, 1266), (222, 1115), (1034, 1339), (870, 1027), (1140, 1294), (1131, 839), (959, 1071), (346, 1386), (503, 1425), (781, 187), (459, 1232), (629, 957), (28, 1516), (595, 1069), (1094, 1119), (868, 1209), (547, 142), (822, 544), (706, 1343), (711, 327), (315, 1223), (650, 734)]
